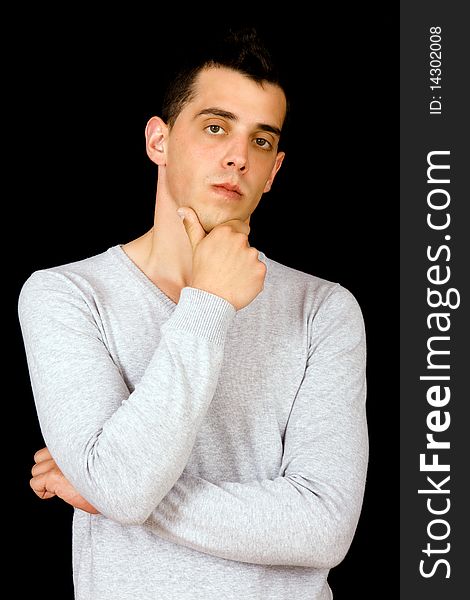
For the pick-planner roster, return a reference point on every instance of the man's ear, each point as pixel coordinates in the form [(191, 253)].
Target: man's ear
[(156, 135), (277, 165)]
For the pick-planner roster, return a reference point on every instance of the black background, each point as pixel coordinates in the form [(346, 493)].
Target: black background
[(81, 95)]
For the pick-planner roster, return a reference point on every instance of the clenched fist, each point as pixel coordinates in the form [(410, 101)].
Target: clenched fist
[(49, 481), (223, 261)]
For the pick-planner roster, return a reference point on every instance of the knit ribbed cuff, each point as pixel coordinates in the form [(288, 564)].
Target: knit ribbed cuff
[(203, 314)]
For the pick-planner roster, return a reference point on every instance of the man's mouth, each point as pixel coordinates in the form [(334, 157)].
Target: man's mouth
[(228, 190)]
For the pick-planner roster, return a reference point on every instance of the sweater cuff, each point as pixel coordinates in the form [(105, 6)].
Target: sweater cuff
[(203, 314)]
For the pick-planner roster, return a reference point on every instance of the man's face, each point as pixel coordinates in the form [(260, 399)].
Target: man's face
[(221, 153)]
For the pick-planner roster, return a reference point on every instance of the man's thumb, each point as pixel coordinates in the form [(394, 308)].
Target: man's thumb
[(192, 225)]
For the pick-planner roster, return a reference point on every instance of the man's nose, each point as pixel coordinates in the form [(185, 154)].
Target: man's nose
[(237, 156)]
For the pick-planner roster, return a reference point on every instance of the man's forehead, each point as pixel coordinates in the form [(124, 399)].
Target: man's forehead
[(235, 92)]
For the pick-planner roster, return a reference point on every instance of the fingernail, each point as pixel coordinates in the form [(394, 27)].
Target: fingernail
[(181, 214)]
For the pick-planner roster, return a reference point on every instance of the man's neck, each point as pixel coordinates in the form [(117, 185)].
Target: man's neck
[(164, 253)]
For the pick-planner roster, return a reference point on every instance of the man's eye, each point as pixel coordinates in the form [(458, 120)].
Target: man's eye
[(262, 143), (215, 129)]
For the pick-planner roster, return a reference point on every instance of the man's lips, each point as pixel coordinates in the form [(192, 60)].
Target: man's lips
[(228, 190)]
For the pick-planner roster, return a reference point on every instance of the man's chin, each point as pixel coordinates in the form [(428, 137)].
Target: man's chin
[(211, 220)]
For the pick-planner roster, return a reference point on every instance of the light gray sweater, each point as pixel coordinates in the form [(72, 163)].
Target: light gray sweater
[(226, 450)]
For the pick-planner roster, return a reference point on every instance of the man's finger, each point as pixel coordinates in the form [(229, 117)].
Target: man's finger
[(192, 225), (237, 225), (42, 454), (43, 467), (38, 485)]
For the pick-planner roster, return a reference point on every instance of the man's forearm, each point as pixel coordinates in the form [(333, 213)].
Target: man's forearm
[(276, 522)]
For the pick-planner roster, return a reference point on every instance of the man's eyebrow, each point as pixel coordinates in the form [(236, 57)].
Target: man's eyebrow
[(225, 114), (218, 112)]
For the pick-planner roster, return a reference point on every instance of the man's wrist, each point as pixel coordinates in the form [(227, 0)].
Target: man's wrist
[(202, 313)]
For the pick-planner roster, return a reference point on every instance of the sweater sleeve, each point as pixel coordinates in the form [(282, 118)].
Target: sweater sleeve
[(306, 516), (122, 451)]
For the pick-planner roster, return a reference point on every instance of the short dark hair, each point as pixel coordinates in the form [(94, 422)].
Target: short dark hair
[(241, 50)]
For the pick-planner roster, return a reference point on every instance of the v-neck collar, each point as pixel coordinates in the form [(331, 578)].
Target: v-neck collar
[(119, 253)]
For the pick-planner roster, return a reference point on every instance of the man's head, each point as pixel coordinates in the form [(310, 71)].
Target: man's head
[(240, 51), (217, 143)]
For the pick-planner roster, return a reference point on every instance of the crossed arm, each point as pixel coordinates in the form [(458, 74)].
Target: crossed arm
[(308, 514)]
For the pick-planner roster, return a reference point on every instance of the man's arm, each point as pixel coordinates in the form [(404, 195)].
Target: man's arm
[(308, 515), (121, 451)]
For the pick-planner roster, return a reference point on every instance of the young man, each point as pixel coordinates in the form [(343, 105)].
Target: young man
[(203, 405)]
